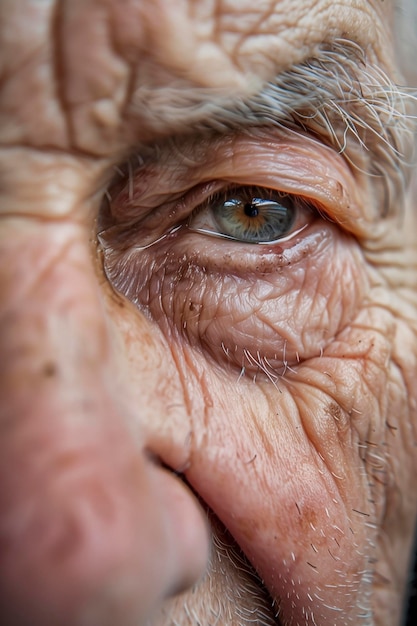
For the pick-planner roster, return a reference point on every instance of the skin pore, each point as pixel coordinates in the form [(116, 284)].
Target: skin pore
[(170, 392)]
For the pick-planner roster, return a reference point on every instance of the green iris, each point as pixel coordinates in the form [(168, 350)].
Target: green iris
[(246, 217)]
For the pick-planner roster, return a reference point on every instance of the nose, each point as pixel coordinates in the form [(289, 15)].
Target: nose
[(92, 530)]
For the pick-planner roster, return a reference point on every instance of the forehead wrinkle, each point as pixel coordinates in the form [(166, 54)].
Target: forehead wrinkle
[(204, 54)]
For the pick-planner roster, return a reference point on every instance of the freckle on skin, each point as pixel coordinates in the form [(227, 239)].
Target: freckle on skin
[(49, 370)]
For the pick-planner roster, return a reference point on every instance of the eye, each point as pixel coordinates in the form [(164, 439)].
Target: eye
[(248, 214), (239, 260)]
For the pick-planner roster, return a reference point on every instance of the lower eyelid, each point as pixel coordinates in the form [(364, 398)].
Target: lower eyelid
[(218, 235), (234, 257), (243, 307), (201, 249), (128, 268)]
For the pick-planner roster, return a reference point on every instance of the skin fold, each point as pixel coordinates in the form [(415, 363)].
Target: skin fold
[(195, 429)]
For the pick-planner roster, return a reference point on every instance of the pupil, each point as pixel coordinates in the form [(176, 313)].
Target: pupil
[(251, 210)]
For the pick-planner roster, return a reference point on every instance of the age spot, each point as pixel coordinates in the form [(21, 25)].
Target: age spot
[(49, 370)]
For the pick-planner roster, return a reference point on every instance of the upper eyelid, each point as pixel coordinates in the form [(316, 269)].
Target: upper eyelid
[(137, 236), (295, 164)]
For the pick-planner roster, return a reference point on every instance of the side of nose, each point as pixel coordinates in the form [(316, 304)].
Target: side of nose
[(91, 530)]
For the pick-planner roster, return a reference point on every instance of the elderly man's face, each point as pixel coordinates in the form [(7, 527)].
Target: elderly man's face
[(208, 284)]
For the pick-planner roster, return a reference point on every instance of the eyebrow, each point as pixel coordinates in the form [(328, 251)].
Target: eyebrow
[(345, 101)]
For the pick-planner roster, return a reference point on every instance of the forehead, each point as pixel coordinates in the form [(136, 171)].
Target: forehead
[(219, 42)]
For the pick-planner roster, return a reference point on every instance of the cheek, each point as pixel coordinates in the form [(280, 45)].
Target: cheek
[(286, 501), (280, 464)]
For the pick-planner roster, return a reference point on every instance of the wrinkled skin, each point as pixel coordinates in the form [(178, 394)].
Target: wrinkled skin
[(275, 382)]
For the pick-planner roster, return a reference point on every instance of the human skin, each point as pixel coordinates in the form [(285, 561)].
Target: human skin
[(275, 382)]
